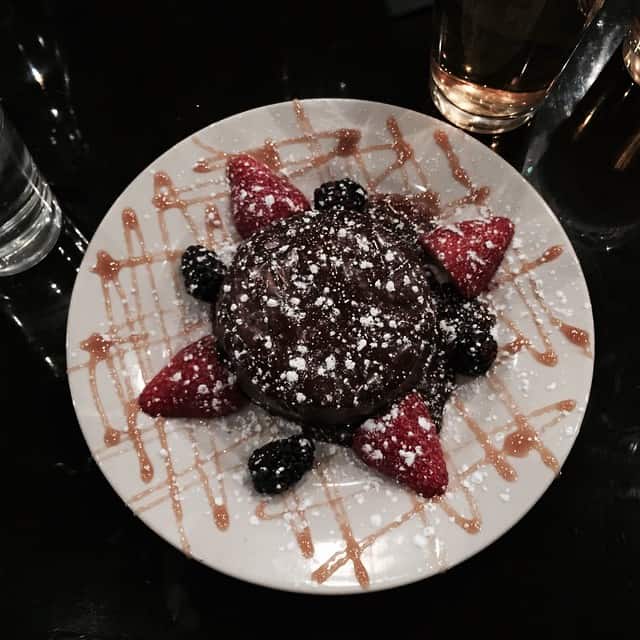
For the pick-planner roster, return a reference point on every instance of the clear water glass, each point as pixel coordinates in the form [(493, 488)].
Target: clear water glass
[(40, 252), (30, 217)]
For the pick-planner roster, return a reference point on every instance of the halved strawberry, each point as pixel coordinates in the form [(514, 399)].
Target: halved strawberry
[(471, 251), (260, 196), (193, 385), (404, 445)]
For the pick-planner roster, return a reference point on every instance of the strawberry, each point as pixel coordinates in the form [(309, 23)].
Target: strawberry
[(260, 196), (404, 445), (471, 251), (193, 385)]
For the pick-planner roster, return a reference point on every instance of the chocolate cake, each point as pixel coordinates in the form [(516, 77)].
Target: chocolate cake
[(326, 318)]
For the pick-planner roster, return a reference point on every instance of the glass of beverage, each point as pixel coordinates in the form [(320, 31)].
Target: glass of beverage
[(30, 218), (40, 251), (494, 61)]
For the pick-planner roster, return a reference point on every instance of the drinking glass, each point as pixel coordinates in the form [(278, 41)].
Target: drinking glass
[(40, 251), (494, 61), (30, 217)]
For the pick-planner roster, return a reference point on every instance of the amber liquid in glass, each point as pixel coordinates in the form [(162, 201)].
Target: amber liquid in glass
[(495, 60)]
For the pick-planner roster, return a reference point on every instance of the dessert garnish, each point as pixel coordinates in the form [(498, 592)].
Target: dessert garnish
[(202, 272), (260, 196), (404, 445), (345, 195), (471, 251), (278, 465), (193, 385)]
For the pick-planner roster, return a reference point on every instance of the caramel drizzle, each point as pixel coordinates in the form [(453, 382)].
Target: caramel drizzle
[(129, 403), (219, 509), (174, 490), (269, 154), (192, 327), (132, 227), (525, 438), (353, 549), (562, 407), (167, 196), (133, 431), (98, 349), (106, 452), (403, 151), (185, 487), (198, 462), (575, 335), (519, 441), (437, 546), (549, 255), (312, 140), (492, 456), (548, 357), (296, 517), (347, 143), (476, 195), (108, 269), (471, 524)]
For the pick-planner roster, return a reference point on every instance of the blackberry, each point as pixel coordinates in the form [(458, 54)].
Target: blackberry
[(340, 195), (202, 272), (461, 316), (342, 435), (278, 465), (436, 385), (474, 353), (466, 326)]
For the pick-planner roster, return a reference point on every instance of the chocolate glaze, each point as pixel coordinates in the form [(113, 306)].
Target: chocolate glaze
[(326, 317)]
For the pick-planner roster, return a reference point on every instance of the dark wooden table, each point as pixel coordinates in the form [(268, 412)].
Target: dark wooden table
[(127, 81)]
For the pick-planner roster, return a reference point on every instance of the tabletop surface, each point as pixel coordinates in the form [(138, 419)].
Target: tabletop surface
[(126, 82)]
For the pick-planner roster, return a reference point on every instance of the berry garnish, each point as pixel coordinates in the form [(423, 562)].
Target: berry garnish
[(474, 353), (460, 316), (404, 445), (259, 196), (278, 465), (202, 272), (342, 194), (193, 385), (470, 251), (466, 328), (436, 385)]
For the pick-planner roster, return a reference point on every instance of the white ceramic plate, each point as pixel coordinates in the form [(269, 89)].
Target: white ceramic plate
[(344, 529)]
